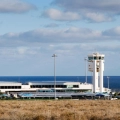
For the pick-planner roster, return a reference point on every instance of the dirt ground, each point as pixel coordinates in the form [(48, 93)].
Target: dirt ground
[(59, 110)]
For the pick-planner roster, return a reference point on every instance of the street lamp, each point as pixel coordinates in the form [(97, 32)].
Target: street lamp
[(54, 55), (86, 69)]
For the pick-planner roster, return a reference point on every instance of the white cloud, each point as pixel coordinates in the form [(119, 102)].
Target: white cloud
[(97, 17), (110, 6), (19, 52), (63, 49), (61, 16), (94, 10), (22, 50), (58, 15), (66, 35), (15, 6)]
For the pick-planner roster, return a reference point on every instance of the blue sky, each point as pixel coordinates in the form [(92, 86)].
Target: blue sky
[(31, 31)]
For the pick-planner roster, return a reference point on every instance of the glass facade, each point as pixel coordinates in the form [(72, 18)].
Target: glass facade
[(52, 86), (96, 58), (90, 58), (48, 86), (10, 87)]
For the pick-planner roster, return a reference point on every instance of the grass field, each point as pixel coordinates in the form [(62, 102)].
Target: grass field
[(59, 110)]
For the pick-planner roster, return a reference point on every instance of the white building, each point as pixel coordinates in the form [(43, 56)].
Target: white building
[(34, 86)]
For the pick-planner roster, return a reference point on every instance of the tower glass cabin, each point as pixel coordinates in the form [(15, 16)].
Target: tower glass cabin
[(96, 66)]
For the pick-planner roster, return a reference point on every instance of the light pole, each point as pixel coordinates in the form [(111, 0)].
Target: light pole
[(108, 81), (85, 70), (54, 55)]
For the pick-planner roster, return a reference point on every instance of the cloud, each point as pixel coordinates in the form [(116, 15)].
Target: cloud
[(114, 32), (66, 35), (97, 17), (94, 10), (61, 16), (110, 6), (52, 25), (65, 42), (19, 51), (15, 6)]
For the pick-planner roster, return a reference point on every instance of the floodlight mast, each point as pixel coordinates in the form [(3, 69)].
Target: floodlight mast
[(108, 81), (86, 69), (54, 55)]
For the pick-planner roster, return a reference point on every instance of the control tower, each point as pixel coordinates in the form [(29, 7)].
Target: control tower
[(96, 66)]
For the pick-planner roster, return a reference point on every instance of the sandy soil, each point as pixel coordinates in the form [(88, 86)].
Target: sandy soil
[(59, 110)]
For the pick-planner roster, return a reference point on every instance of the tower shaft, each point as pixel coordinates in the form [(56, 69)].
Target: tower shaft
[(96, 65)]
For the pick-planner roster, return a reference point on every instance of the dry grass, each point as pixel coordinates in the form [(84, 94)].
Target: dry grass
[(59, 110)]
